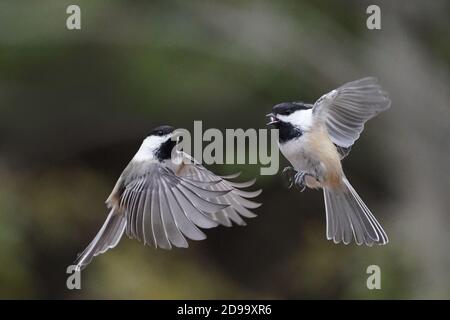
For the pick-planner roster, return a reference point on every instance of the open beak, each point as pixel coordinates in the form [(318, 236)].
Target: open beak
[(272, 119)]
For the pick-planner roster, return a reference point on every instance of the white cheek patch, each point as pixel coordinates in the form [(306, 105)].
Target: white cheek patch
[(300, 118), (148, 148)]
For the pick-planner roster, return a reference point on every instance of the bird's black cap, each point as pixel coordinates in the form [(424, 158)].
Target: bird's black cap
[(162, 130), (286, 108)]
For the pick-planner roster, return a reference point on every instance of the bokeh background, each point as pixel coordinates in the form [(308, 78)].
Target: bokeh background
[(75, 106)]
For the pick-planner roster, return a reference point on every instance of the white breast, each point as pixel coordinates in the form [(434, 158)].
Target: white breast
[(294, 152)]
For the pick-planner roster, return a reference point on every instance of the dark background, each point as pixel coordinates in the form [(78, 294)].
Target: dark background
[(75, 106)]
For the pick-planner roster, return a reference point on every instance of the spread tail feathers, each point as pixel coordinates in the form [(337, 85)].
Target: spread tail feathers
[(108, 237), (347, 215)]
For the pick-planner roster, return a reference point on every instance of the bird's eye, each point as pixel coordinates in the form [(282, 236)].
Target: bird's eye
[(160, 133)]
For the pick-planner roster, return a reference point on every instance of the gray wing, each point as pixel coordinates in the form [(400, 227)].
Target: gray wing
[(108, 237), (158, 208), (163, 209), (236, 200), (349, 107)]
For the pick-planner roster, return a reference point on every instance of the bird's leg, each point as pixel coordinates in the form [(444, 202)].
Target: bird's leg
[(289, 172), (299, 179)]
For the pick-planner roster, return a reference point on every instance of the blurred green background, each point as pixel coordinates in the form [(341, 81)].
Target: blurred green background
[(75, 106)]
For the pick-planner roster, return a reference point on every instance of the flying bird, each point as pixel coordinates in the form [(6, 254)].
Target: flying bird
[(316, 137), (163, 197)]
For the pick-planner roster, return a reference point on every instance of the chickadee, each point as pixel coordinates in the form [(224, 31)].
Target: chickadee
[(315, 138), (161, 199)]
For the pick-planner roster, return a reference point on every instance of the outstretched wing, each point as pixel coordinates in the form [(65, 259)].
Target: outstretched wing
[(345, 110), (163, 209), (236, 201)]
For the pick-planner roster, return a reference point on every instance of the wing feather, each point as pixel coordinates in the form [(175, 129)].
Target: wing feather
[(173, 232), (349, 107), (186, 226), (149, 238), (235, 198), (193, 214), (157, 224)]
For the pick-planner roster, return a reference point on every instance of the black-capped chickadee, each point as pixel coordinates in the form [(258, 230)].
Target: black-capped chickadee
[(315, 138), (161, 200)]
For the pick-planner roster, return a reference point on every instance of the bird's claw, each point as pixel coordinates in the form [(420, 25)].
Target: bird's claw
[(299, 179), (290, 175), (296, 178), (287, 169)]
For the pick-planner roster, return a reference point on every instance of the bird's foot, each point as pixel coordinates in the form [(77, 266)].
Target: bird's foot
[(299, 180), (289, 172)]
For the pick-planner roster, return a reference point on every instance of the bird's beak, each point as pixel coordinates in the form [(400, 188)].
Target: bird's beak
[(177, 135), (272, 119)]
